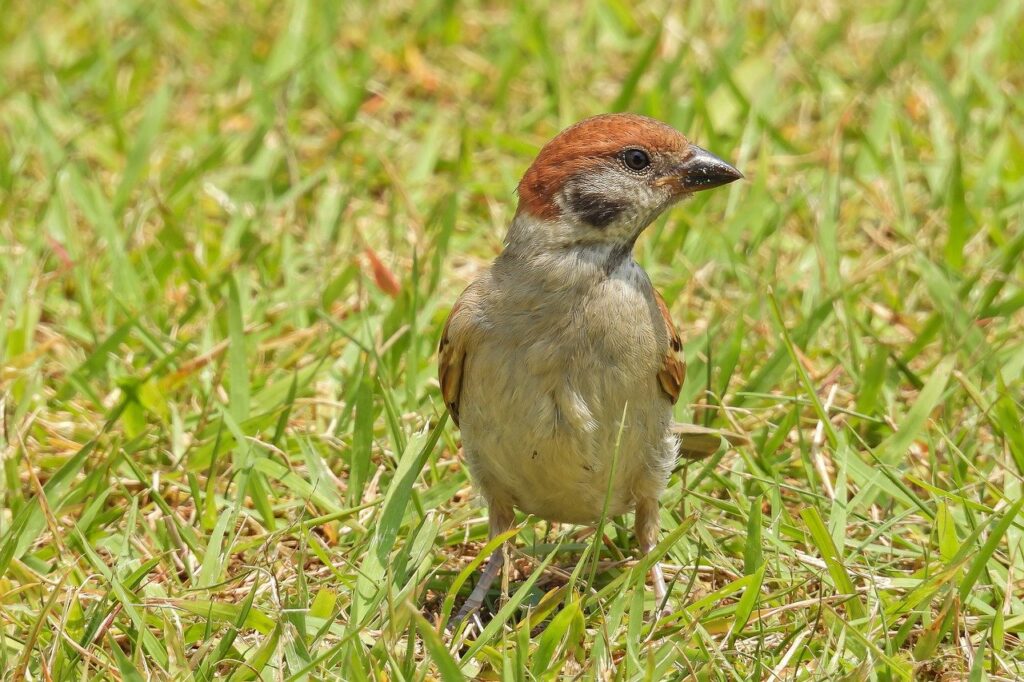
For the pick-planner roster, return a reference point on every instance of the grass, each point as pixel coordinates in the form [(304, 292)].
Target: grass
[(230, 234)]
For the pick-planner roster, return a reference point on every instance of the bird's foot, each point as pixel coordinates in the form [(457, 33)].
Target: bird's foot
[(476, 597)]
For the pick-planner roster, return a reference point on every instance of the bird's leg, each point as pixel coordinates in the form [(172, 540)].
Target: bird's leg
[(647, 524), (500, 518)]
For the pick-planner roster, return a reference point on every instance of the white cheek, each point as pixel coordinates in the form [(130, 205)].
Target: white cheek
[(620, 185)]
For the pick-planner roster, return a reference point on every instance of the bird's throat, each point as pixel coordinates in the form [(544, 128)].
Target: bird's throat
[(618, 256)]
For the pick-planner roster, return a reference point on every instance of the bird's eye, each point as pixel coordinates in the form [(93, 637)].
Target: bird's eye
[(636, 159)]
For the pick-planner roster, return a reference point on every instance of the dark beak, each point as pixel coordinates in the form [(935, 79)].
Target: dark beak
[(703, 170)]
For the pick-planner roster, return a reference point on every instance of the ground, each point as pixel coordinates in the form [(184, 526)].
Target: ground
[(230, 234)]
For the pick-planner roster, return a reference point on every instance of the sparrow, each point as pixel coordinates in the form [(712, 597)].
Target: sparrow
[(561, 364)]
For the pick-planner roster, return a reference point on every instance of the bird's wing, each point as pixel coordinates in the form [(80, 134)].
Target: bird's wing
[(695, 442), (673, 365), (451, 355)]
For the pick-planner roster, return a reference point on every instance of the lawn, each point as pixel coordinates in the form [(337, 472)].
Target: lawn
[(230, 234)]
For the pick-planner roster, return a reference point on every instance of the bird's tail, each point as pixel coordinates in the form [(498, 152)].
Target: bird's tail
[(697, 442)]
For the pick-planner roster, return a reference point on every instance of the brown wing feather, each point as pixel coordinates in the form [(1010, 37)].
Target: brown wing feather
[(673, 365), (451, 354)]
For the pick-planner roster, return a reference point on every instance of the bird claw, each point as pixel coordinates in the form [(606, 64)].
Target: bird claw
[(470, 607), (469, 616)]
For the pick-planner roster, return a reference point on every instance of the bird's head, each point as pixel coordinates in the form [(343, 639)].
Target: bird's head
[(605, 179)]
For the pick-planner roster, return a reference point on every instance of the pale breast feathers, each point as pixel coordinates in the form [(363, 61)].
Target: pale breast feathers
[(454, 346)]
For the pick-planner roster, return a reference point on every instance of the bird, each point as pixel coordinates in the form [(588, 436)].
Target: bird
[(560, 363)]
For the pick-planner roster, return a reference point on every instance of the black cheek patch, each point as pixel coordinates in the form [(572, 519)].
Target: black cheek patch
[(595, 209)]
